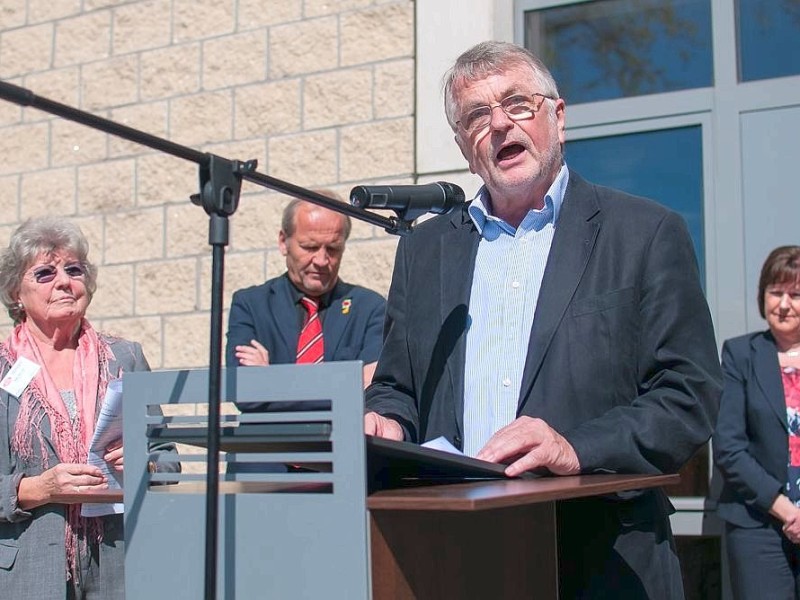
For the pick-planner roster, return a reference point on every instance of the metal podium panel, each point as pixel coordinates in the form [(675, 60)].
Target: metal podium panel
[(292, 510)]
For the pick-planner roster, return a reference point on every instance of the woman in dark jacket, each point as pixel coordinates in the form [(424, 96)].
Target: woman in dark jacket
[(757, 439)]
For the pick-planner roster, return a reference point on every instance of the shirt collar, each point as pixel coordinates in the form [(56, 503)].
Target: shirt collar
[(297, 295), (481, 215)]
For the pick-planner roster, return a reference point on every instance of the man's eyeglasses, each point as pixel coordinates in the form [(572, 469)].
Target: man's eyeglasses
[(517, 107), (47, 273)]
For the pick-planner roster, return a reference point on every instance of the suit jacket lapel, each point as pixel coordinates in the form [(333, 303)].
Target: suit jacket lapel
[(767, 374), (458, 248), (573, 241), (334, 323), (279, 297)]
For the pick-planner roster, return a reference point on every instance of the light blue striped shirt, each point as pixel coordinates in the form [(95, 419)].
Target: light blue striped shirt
[(505, 287)]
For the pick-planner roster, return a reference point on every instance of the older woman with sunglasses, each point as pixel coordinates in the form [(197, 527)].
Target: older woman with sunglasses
[(48, 409)]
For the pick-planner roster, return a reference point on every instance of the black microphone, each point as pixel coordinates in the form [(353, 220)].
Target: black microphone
[(409, 201)]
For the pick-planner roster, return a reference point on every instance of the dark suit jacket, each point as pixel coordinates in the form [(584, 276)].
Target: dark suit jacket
[(751, 439), (621, 359), (268, 313)]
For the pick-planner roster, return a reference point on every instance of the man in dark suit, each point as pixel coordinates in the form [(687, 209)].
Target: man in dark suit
[(265, 321), (554, 324)]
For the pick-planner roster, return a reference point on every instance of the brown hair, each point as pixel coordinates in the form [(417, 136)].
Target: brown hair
[(782, 266)]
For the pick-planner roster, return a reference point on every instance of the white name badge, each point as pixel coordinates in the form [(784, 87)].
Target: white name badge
[(19, 376)]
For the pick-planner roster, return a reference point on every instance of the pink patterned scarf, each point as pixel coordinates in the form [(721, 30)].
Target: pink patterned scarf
[(42, 399)]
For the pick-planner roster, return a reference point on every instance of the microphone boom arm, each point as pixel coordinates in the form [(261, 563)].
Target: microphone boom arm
[(238, 169)]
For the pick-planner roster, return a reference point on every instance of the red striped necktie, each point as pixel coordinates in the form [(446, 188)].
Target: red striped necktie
[(310, 345)]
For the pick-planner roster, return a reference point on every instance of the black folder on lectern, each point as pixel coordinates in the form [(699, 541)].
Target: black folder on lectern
[(391, 462)]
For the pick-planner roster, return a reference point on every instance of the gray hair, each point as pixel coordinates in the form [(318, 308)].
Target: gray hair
[(45, 235), (288, 221), (488, 58)]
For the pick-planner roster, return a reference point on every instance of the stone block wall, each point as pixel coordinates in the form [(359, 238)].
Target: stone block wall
[(321, 93)]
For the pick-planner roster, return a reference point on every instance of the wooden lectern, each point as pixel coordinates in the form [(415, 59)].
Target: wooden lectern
[(308, 529), (489, 539)]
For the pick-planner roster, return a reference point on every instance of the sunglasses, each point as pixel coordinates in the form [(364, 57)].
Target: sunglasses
[(47, 273)]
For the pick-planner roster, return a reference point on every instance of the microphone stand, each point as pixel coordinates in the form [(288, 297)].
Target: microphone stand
[(220, 186)]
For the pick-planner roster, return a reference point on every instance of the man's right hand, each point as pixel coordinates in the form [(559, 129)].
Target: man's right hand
[(375, 424), (254, 355)]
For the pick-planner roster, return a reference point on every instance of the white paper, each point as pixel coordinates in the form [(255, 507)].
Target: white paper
[(443, 444), (107, 431), (19, 376)]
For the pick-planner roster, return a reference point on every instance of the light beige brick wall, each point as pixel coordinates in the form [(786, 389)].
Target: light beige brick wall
[(320, 92)]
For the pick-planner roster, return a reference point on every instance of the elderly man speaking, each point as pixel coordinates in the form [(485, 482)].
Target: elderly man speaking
[(552, 323)]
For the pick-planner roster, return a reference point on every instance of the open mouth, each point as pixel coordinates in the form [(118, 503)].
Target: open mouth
[(510, 152)]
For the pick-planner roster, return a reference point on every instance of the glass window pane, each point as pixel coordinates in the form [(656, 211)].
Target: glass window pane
[(769, 38), (665, 165), (620, 48)]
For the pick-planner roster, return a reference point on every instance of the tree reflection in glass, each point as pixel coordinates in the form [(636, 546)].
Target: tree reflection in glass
[(620, 48)]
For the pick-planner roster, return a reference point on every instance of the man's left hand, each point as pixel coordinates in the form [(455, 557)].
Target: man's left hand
[(531, 443)]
